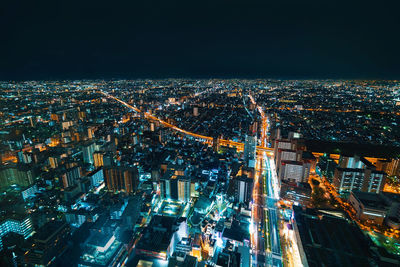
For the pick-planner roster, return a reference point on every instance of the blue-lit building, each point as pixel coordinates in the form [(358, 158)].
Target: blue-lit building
[(21, 225)]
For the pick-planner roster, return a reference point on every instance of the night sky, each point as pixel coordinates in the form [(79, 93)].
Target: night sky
[(157, 39)]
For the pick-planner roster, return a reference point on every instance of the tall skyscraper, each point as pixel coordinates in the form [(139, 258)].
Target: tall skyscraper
[(250, 150), (123, 179), (184, 188), (243, 189)]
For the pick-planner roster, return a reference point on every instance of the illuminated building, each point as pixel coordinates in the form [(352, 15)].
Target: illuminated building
[(24, 157), (54, 117), (393, 168), (326, 167), (29, 192), (98, 159), (16, 174), (169, 185), (49, 242), (365, 180), (70, 176), (90, 132), (369, 207), (21, 225), (102, 248), (283, 144), (184, 188), (96, 177), (88, 149), (184, 245), (297, 193), (67, 124), (243, 189), (193, 186), (54, 161), (291, 171), (118, 178), (249, 153), (286, 154)]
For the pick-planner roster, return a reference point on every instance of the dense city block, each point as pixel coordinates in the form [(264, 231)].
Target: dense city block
[(200, 172)]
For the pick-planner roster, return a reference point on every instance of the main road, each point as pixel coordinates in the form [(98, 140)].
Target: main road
[(264, 220), (203, 138)]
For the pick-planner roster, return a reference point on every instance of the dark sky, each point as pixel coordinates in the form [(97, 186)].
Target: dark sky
[(148, 38)]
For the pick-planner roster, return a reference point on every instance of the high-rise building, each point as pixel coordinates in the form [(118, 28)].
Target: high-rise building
[(291, 171), (250, 150), (19, 224), (49, 242), (24, 157), (169, 185), (283, 144), (118, 178), (16, 174), (184, 188), (88, 150), (393, 168), (365, 180), (286, 154), (70, 176), (98, 160), (243, 189)]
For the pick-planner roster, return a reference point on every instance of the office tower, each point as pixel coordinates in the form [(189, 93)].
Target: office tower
[(96, 177), (283, 144), (393, 167), (365, 180), (49, 243), (243, 189), (90, 132), (70, 176), (291, 171), (184, 188), (118, 178), (108, 159), (169, 186), (250, 150), (98, 160), (24, 157), (88, 149), (16, 174), (17, 223), (286, 154)]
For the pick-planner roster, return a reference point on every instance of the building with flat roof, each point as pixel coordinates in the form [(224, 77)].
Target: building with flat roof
[(49, 243), (327, 240), (369, 207), (156, 239), (367, 180)]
